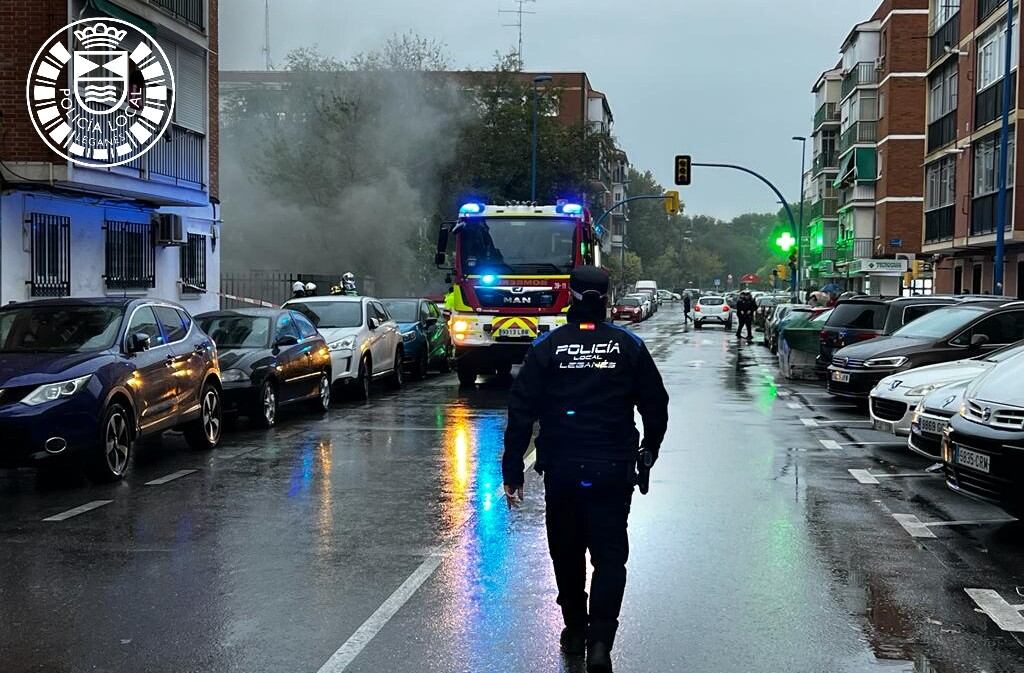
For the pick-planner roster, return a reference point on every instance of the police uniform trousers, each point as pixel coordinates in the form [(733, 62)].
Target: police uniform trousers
[(588, 511)]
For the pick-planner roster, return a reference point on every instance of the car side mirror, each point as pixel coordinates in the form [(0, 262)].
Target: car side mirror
[(979, 340), (440, 259), (138, 342), (373, 323), (430, 322), (286, 340)]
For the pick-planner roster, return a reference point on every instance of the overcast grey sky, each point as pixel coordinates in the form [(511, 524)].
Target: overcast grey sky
[(723, 80)]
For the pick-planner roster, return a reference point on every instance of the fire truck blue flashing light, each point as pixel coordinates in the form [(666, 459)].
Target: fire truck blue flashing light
[(489, 279), (570, 209), (471, 209)]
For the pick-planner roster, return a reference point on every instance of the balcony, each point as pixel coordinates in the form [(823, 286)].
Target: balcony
[(938, 224), (180, 161), (854, 248), (942, 131), (827, 208), (988, 105), (946, 34), (987, 7), (857, 192), (863, 74), (191, 12), (860, 133), (825, 162), (827, 113), (983, 213)]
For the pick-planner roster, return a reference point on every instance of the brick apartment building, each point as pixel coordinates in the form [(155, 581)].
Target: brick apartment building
[(965, 81), (869, 138), (578, 103), (68, 230)]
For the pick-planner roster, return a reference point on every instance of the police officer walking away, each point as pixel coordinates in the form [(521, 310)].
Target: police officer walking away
[(745, 309), (582, 382)]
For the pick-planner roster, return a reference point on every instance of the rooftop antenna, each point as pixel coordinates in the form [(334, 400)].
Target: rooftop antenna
[(268, 64), (519, 12)]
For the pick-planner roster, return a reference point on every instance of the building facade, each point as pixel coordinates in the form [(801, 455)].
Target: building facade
[(67, 230), (869, 135), (966, 56)]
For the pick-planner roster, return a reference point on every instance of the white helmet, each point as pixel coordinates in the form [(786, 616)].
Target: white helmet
[(310, 287), (349, 276), (297, 286)]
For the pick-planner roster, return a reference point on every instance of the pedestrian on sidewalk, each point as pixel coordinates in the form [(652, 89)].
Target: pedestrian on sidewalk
[(745, 309), (687, 306), (582, 382)]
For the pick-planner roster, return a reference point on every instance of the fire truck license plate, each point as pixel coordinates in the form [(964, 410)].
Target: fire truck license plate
[(514, 333)]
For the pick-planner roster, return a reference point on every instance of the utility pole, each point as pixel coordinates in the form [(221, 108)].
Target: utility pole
[(267, 63), (519, 12), (1004, 159)]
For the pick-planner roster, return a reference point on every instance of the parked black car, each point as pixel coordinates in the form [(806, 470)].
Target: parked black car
[(82, 379), (865, 318), (269, 358), (983, 451), (966, 329)]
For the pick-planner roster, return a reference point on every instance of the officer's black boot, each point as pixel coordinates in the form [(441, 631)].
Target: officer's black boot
[(599, 658), (574, 641)]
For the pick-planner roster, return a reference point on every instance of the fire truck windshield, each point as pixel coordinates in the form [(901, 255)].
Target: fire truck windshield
[(525, 246)]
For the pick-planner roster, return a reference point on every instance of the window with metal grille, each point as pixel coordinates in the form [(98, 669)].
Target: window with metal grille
[(130, 255), (51, 255), (193, 264)]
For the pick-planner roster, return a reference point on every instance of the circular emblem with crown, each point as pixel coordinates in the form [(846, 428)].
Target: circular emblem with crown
[(105, 101)]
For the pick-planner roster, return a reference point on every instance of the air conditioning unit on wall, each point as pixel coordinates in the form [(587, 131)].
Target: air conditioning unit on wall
[(170, 229)]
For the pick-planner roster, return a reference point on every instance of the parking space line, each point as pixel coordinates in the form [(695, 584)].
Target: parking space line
[(81, 509), (846, 421), (831, 444), (980, 522), (794, 405), (1006, 616), (864, 477), (170, 477), (809, 422), (914, 526)]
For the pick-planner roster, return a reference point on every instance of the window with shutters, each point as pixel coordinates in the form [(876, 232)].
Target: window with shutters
[(190, 75), (193, 265), (130, 256), (50, 241)]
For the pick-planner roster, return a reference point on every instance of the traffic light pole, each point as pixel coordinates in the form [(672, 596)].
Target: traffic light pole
[(1004, 160), (785, 204), (622, 244)]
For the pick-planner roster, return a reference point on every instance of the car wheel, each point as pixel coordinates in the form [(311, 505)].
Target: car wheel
[(467, 374), (362, 390), (265, 412), (421, 367), (204, 432), (109, 462), (321, 404), (397, 379)]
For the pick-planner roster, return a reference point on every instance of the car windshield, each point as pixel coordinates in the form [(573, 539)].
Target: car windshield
[(512, 245), (331, 314), (859, 315), (404, 310), (940, 323), (237, 331), (712, 301), (1007, 353), (629, 301), (59, 329)]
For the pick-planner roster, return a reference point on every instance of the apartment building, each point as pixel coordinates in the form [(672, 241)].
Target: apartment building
[(966, 56), (869, 137), (69, 230)]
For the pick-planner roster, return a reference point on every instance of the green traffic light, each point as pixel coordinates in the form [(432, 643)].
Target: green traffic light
[(785, 242)]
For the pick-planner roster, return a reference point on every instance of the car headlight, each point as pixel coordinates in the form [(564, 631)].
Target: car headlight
[(890, 363), (347, 343), (233, 376), (921, 391), (49, 392), (408, 336)]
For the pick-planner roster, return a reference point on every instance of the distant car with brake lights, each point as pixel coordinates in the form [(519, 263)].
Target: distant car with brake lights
[(983, 449), (363, 339), (269, 358), (628, 308), (427, 343), (712, 309), (962, 330), (81, 380)]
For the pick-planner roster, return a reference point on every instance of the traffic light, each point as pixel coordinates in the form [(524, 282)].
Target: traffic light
[(908, 278), (672, 202), (684, 163), (917, 269), (785, 242), (780, 271)]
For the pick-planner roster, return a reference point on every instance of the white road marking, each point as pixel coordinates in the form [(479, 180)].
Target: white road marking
[(845, 422), (914, 526), (831, 444), (864, 477), (872, 443), (1007, 617), (981, 522), (169, 477), (809, 422), (81, 509), (782, 393), (794, 405), (350, 649)]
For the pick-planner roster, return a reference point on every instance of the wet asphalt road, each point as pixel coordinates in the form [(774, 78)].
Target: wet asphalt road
[(375, 540)]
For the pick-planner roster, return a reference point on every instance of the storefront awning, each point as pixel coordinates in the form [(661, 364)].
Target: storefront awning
[(866, 164), (113, 11), (845, 169)]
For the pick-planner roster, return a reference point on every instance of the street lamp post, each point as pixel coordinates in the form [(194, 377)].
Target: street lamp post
[(1004, 160), (539, 79), (797, 277)]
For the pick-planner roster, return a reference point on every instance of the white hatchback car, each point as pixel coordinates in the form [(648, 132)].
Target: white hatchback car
[(365, 342), (894, 399), (712, 309)]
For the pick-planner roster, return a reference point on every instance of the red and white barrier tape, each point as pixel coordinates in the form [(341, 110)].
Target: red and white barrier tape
[(233, 297)]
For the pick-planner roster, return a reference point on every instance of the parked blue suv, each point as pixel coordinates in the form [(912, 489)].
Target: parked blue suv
[(426, 341), (82, 379)]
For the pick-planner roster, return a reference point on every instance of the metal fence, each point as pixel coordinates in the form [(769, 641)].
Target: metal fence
[(190, 11), (275, 287)]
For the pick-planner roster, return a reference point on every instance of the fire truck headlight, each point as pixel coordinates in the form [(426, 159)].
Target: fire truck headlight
[(461, 326)]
